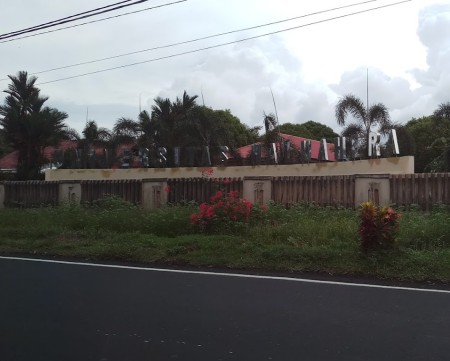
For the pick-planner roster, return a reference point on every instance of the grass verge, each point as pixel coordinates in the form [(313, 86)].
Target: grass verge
[(302, 238)]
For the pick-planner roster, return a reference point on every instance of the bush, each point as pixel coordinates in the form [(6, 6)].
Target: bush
[(378, 227), (224, 211)]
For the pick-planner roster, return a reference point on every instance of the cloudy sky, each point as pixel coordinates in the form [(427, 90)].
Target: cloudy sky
[(404, 47)]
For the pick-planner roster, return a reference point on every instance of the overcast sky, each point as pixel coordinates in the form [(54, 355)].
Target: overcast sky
[(406, 49)]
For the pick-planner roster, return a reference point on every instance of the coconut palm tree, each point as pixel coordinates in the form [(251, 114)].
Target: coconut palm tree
[(28, 126), (366, 118)]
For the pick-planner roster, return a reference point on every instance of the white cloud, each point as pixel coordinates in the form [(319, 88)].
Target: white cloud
[(307, 69)]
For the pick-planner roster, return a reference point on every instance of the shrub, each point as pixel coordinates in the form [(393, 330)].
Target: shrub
[(378, 227), (223, 211)]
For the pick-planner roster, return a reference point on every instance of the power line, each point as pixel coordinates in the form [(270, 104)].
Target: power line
[(227, 43), (71, 20), (199, 39), (65, 18), (94, 21)]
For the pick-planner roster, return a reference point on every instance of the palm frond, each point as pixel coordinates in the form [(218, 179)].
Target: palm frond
[(379, 115), (352, 105), (353, 130)]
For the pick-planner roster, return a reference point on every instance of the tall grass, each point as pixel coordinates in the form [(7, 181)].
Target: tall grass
[(302, 238)]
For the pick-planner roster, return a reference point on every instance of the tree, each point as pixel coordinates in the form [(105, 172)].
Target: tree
[(441, 122), (209, 127), (320, 131), (431, 138), (366, 118), (298, 130), (28, 126), (171, 118), (442, 113)]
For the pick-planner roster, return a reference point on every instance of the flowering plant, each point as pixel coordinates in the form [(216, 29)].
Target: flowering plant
[(378, 227), (223, 209)]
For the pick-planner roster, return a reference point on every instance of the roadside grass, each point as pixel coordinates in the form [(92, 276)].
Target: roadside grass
[(303, 238)]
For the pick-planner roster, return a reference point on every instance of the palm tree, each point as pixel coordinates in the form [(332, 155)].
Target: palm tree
[(376, 115), (126, 130), (28, 126), (171, 118)]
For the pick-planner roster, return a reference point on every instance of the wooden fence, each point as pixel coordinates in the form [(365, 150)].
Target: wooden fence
[(31, 194), (423, 189), (128, 190), (199, 189), (324, 191)]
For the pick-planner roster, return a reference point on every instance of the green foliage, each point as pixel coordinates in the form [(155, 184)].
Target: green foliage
[(320, 131), (299, 130), (303, 237), (432, 144), (28, 126)]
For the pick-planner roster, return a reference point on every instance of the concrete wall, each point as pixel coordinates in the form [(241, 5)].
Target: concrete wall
[(375, 188), (69, 192), (258, 190), (400, 165), (153, 194)]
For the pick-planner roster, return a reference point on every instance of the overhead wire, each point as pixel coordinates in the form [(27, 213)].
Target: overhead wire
[(94, 21), (65, 18), (200, 39), (227, 43)]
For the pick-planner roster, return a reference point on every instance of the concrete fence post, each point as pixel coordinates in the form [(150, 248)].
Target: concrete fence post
[(374, 188), (154, 193), (69, 192), (258, 190)]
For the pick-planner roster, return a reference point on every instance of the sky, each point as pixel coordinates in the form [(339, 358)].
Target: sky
[(402, 52)]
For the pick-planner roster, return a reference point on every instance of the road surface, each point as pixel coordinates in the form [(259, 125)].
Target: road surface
[(68, 311)]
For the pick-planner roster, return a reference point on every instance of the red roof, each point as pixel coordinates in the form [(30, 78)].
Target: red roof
[(9, 161), (244, 151)]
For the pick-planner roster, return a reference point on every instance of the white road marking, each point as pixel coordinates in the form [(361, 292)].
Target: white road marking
[(222, 274)]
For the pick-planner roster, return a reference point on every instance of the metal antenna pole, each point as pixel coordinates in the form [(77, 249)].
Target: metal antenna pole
[(203, 99), (276, 113)]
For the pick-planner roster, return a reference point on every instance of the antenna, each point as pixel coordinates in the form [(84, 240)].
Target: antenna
[(367, 83), (276, 113), (203, 99), (87, 114)]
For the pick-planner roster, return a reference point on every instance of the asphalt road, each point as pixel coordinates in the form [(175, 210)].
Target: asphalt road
[(53, 311)]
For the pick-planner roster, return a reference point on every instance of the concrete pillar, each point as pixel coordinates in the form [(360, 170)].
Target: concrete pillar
[(154, 193), (258, 190), (69, 192), (375, 188)]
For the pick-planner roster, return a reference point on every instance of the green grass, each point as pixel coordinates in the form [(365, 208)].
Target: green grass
[(303, 238)]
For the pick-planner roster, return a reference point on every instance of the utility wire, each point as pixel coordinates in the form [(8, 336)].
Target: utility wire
[(65, 18), (71, 20), (227, 43), (94, 21), (198, 39)]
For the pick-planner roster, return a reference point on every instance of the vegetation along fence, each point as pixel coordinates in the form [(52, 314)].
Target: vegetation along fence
[(128, 190), (324, 190), (424, 189), (199, 189), (31, 194)]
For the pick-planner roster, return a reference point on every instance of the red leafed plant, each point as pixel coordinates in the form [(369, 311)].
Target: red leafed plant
[(378, 227), (223, 210)]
